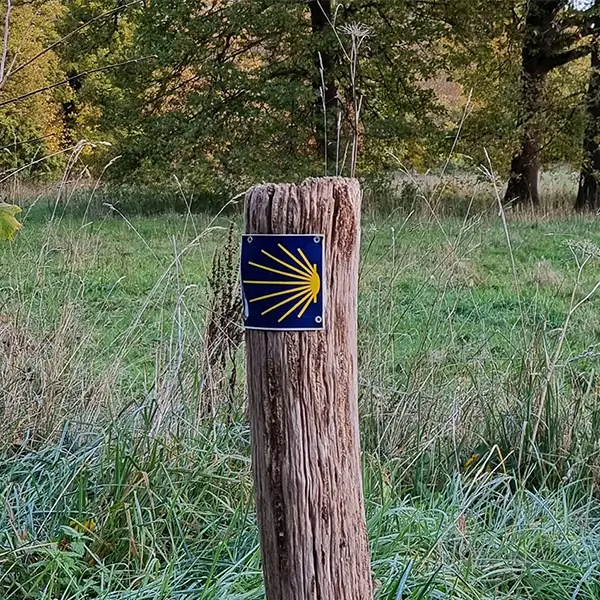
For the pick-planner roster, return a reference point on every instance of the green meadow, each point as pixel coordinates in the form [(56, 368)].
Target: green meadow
[(125, 466)]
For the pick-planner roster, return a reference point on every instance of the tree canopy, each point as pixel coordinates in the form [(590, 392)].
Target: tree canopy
[(226, 92)]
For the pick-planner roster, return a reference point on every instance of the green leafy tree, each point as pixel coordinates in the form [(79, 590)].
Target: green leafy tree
[(101, 35), (485, 53), (242, 90), (31, 127), (553, 36)]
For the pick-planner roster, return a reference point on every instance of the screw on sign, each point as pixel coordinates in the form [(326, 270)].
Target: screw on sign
[(283, 282), (299, 273)]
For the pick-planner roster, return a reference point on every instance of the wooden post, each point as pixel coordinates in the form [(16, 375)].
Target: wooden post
[(303, 401)]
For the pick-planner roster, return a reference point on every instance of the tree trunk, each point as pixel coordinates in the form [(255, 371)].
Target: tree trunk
[(588, 195), (523, 184), (325, 61), (303, 405), (539, 56)]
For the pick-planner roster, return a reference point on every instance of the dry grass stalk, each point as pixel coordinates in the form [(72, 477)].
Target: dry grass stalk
[(46, 381)]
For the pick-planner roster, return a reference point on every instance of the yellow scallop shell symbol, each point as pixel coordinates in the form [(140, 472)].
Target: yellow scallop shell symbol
[(302, 285)]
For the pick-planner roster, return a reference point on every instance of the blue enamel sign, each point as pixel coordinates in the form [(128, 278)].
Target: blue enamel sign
[(283, 282)]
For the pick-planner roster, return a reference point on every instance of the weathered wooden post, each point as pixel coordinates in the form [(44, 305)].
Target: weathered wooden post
[(303, 388)]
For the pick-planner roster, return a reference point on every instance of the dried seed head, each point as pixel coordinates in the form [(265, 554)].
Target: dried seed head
[(584, 248), (357, 31)]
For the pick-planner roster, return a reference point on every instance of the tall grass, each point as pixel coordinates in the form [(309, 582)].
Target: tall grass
[(125, 446), (456, 192)]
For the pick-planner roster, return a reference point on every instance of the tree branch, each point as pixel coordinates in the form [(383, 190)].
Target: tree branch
[(5, 41), (580, 19), (29, 141), (550, 63), (69, 79), (72, 33)]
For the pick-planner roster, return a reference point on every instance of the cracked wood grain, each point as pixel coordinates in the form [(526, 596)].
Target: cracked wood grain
[(303, 403)]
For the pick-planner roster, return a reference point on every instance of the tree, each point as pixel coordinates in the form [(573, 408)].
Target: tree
[(552, 37), (588, 195), (32, 128), (100, 35), (235, 93)]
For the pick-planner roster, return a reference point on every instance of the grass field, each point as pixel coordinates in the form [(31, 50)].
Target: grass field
[(125, 470)]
